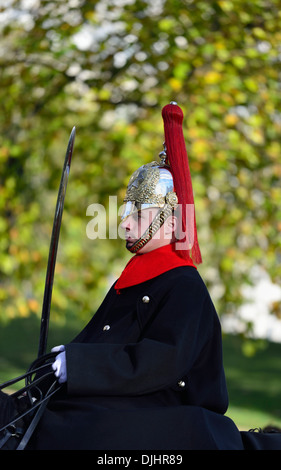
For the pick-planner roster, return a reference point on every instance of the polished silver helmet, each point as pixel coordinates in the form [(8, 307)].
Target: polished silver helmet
[(150, 186)]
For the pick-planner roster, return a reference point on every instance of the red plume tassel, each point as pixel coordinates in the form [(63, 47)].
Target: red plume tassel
[(178, 161)]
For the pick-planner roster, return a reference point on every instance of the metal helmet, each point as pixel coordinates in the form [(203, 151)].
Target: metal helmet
[(150, 186)]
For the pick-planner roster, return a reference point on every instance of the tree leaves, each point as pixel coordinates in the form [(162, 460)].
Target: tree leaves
[(108, 67)]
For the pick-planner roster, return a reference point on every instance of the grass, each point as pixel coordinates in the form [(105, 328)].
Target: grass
[(254, 382), (19, 341)]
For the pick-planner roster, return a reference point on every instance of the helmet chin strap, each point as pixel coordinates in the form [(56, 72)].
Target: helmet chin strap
[(155, 225)]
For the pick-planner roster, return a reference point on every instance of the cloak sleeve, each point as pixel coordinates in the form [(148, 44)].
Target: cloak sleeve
[(181, 339)]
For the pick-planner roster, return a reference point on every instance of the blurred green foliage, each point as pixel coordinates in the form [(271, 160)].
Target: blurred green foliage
[(108, 67)]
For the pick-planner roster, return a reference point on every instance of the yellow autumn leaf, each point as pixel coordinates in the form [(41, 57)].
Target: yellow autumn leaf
[(251, 84), (132, 130), (259, 33), (175, 84), (23, 310), (277, 170), (275, 193), (256, 136), (193, 132), (212, 77), (231, 119), (200, 149), (226, 5), (24, 256), (33, 305)]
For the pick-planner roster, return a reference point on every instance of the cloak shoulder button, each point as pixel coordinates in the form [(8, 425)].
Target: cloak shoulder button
[(106, 327), (181, 383), (145, 299)]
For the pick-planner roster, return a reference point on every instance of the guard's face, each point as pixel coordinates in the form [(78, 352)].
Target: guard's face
[(137, 223)]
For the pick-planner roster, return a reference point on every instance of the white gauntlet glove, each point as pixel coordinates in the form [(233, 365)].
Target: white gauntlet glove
[(59, 366)]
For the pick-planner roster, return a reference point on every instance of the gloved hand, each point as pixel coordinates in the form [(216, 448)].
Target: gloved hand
[(59, 366)]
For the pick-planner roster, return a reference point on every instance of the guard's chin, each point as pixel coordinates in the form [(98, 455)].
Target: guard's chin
[(129, 244)]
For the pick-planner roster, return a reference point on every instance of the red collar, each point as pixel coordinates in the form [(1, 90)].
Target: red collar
[(143, 267)]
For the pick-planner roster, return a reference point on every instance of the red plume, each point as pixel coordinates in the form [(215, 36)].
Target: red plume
[(178, 161)]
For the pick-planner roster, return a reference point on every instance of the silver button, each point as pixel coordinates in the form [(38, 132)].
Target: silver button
[(145, 299), (181, 383), (106, 327)]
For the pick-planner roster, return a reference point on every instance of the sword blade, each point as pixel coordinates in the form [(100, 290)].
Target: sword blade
[(44, 327)]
